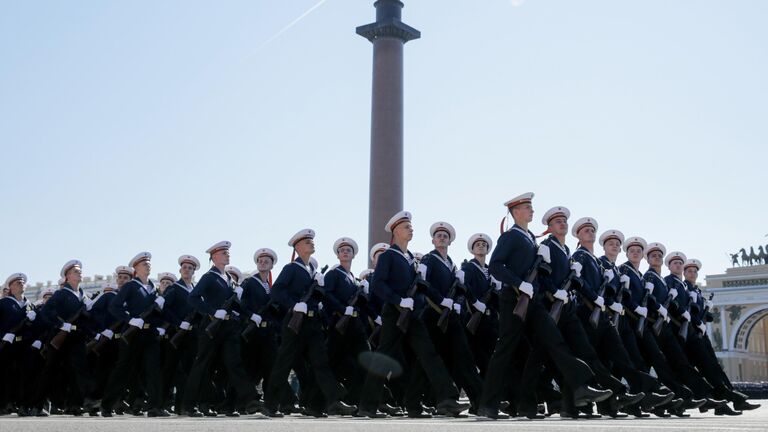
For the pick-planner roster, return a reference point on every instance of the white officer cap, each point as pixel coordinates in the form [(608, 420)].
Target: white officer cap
[(673, 256), (139, 258), (189, 259), (222, 245), (69, 265), (301, 235), (14, 277), (655, 246), (555, 212), (582, 223), (635, 241), (399, 217), (124, 270), (520, 199), (612, 234), (166, 275), (443, 226), (477, 237), (234, 272), (692, 262), (345, 241), (378, 247), (265, 252), (47, 291)]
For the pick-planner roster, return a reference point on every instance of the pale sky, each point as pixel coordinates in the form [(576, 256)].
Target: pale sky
[(167, 126)]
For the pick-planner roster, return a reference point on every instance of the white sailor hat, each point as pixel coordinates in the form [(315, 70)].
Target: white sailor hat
[(418, 256), (306, 233), (395, 220), (190, 260), (443, 226), (520, 199), (124, 270), (222, 245), (635, 241), (69, 265), (692, 262), (364, 274), (555, 212), (109, 286), (612, 234), (265, 252), (581, 223), (673, 256), (14, 277), (345, 241), (313, 262), (47, 291), (61, 282), (139, 258), (655, 246), (477, 237), (166, 275), (378, 247), (234, 272)]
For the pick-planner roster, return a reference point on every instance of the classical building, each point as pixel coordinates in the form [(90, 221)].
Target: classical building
[(739, 332)]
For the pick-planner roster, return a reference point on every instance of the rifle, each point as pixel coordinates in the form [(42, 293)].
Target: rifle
[(641, 319), (343, 322), (594, 317), (659, 324), (442, 322), (131, 330), (180, 332), (405, 314), (373, 339), (704, 314), (96, 345), (521, 308), (215, 323), (617, 316), (297, 318), (15, 330), (58, 339), (557, 305), (474, 320), (261, 312)]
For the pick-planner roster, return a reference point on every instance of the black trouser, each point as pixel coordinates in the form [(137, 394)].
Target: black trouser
[(224, 350), (483, 341), (542, 329), (309, 343), (673, 351), (343, 352), (143, 353), (104, 364), (417, 337), (455, 352), (71, 364), (698, 353), (652, 355), (259, 355), (11, 362), (177, 366)]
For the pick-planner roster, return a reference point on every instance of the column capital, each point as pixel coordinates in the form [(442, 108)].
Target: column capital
[(392, 27)]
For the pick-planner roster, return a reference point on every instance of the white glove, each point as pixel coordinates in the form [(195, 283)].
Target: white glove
[(496, 283), (702, 328), (349, 310), (480, 306), (617, 307), (663, 312), (407, 303), (220, 314), (642, 311), (88, 303), (457, 308), (446, 303), (423, 271), (320, 279), (609, 274), (300, 307), (694, 296), (600, 302), (31, 315), (673, 292), (526, 288), (136, 322), (161, 331), (544, 252), (37, 344), (686, 316), (239, 292), (366, 286), (624, 279), (9, 337), (185, 325), (576, 266), (256, 318), (160, 301), (320, 306), (107, 333), (67, 327), (378, 320), (709, 304), (460, 276), (561, 295), (649, 286)]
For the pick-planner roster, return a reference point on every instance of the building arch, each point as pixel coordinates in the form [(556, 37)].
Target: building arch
[(743, 328)]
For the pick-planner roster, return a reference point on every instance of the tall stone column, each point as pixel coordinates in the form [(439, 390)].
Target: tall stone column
[(385, 195)]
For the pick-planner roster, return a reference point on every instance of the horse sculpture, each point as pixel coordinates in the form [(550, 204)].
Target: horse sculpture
[(763, 256), (745, 259)]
